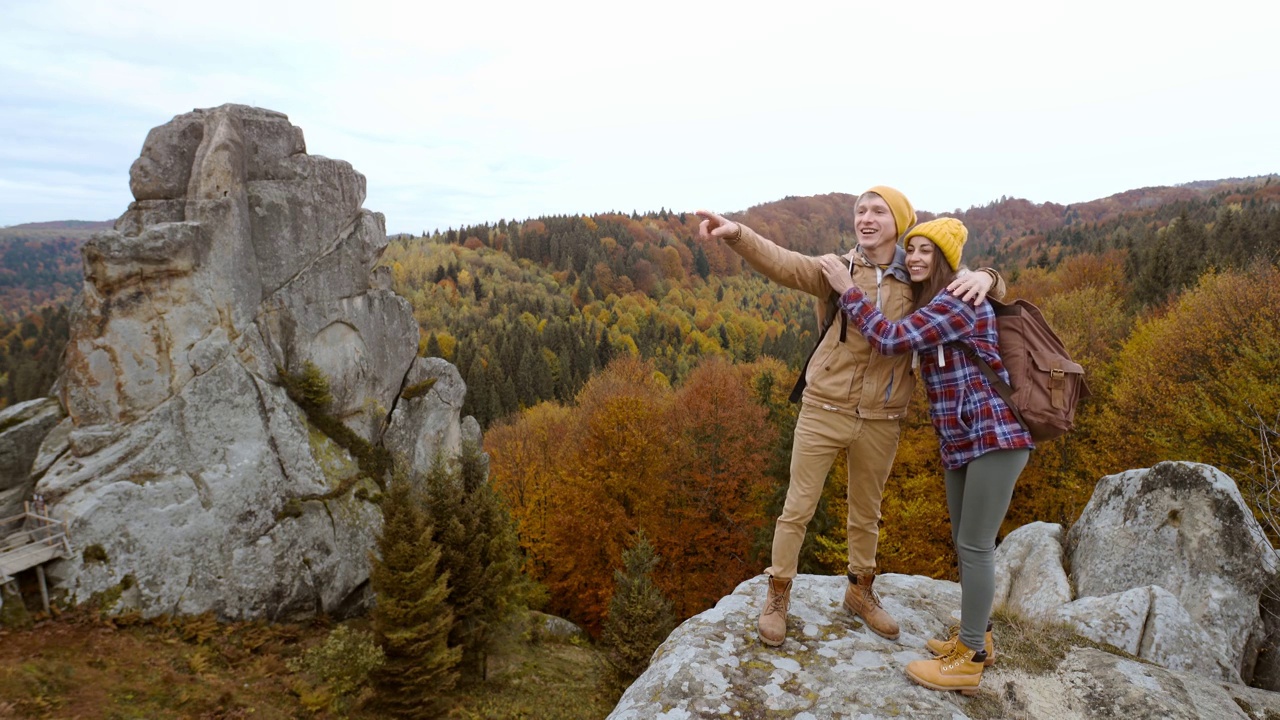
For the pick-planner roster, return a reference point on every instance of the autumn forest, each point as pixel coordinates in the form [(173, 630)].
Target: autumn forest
[(631, 376)]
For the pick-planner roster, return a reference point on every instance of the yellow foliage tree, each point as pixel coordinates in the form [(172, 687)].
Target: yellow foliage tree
[(1190, 380)]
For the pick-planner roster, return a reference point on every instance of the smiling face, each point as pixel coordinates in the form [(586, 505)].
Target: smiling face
[(874, 223), (921, 255)]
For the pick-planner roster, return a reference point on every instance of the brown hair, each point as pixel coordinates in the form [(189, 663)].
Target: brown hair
[(940, 276)]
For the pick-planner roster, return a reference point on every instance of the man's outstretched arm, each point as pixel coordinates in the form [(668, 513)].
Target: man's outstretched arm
[(785, 267)]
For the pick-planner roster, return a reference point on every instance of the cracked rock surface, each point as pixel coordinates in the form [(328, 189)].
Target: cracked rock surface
[(181, 457)]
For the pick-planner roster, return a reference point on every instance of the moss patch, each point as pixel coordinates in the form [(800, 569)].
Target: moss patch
[(310, 390), (109, 598), (94, 553), (13, 614), (335, 462), (419, 389), (292, 508)]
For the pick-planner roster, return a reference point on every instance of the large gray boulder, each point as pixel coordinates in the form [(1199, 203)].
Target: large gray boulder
[(23, 428), (1150, 623), (190, 479), (427, 422), (1167, 564), (1030, 579), (1183, 527), (831, 667)]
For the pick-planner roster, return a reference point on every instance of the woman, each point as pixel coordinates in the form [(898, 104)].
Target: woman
[(984, 447)]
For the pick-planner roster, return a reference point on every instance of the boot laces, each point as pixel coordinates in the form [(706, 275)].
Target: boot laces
[(958, 655), (776, 601), (953, 658)]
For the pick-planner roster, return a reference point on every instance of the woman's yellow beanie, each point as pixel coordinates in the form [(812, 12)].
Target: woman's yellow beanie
[(903, 214), (949, 234)]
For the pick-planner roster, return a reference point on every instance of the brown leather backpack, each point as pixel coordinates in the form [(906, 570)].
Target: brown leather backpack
[(1045, 384)]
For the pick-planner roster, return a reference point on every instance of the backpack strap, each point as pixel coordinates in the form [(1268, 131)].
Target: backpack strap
[(999, 385), (797, 392)]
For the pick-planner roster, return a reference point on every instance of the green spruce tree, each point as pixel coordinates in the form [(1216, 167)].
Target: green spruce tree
[(411, 619), (640, 616), (479, 550)]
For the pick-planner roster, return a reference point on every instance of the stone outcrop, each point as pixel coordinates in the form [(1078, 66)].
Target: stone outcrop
[(1185, 528), (831, 667), (1167, 564), (23, 428), (425, 421), (182, 460)]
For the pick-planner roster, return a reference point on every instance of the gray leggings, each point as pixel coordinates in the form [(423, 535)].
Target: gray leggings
[(978, 497)]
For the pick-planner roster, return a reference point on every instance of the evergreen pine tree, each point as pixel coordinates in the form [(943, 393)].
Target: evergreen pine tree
[(640, 617), (479, 550), (411, 619), (604, 350), (700, 263)]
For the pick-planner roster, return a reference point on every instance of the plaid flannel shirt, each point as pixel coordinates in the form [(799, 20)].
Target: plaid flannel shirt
[(970, 417)]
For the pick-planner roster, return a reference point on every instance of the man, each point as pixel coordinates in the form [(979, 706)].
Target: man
[(851, 397)]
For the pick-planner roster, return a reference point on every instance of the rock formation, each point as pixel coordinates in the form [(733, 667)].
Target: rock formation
[(833, 668), (1167, 565), (22, 429), (198, 483)]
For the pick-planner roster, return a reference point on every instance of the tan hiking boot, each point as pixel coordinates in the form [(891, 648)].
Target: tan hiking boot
[(863, 601), (960, 670), (941, 648), (773, 616)]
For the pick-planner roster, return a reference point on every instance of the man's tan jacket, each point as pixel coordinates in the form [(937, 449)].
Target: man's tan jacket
[(846, 375)]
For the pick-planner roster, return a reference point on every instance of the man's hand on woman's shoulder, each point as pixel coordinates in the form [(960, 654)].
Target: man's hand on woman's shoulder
[(972, 287)]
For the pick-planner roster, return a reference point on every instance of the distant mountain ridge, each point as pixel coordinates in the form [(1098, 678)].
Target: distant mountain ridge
[(40, 261), (823, 223), (87, 225)]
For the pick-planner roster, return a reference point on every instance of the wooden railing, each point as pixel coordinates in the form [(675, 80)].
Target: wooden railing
[(28, 541)]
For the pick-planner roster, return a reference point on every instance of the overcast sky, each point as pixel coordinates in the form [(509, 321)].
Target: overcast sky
[(472, 111)]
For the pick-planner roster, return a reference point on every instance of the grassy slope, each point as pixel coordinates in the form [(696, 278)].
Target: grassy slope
[(80, 666)]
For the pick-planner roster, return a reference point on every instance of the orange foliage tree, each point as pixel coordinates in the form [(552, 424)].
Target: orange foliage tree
[(618, 465), (717, 492), (685, 465)]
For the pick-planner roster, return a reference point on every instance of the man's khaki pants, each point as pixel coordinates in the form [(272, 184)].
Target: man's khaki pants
[(820, 435)]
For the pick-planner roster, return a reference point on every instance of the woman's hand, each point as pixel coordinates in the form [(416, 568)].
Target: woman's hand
[(717, 226), (836, 271)]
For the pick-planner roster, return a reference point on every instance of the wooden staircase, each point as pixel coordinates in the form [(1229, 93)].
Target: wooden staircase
[(29, 541)]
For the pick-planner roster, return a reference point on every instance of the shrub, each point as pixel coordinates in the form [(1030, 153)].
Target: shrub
[(343, 661)]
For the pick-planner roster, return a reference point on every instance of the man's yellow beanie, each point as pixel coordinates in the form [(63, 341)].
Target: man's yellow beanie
[(949, 234), (903, 214)]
